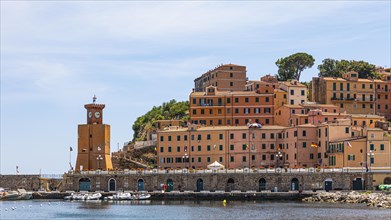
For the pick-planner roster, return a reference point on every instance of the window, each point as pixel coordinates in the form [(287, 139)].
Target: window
[(351, 157), (256, 99), (271, 135), (231, 147), (267, 121), (178, 149), (372, 160), (169, 138), (199, 159), (302, 92), (382, 147), (208, 137), (363, 86), (253, 157), (194, 101), (236, 100), (169, 149), (292, 92), (236, 111), (244, 158), (220, 147), (231, 75), (231, 83), (220, 159), (271, 156), (334, 86), (161, 138), (244, 146), (208, 159), (199, 137), (272, 146), (292, 102), (246, 99), (178, 137), (208, 147), (341, 86), (228, 100), (311, 156), (263, 135), (199, 148), (221, 136), (244, 136), (232, 159), (304, 144), (347, 130), (371, 147), (161, 149), (332, 160), (263, 146), (266, 99), (231, 136), (202, 111), (304, 133), (185, 137)]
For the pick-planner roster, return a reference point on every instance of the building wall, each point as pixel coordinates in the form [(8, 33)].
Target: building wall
[(218, 182), (213, 107), (383, 98), (94, 140), (297, 92), (228, 77)]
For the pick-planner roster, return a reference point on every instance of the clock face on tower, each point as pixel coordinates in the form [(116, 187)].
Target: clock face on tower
[(97, 114), (89, 114)]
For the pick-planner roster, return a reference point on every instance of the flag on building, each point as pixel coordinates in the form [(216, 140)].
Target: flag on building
[(70, 149), (214, 146), (366, 166), (314, 145), (348, 144), (155, 149)]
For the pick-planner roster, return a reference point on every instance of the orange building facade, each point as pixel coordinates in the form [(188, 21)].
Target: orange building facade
[(94, 141), (219, 108), (227, 77)]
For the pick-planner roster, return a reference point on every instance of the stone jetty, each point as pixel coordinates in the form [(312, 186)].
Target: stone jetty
[(371, 199)]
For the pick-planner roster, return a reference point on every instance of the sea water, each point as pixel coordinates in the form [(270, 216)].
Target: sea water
[(58, 209)]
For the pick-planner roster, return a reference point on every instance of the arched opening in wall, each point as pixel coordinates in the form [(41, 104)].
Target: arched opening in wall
[(358, 184), (262, 184), (230, 185), (112, 185), (170, 185), (140, 185), (200, 185), (387, 180), (328, 184), (84, 184), (294, 184)]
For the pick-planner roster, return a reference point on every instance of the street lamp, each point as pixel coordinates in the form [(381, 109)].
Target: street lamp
[(99, 158), (185, 158), (279, 157), (370, 155)]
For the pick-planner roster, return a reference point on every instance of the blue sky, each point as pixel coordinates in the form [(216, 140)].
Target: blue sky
[(133, 55)]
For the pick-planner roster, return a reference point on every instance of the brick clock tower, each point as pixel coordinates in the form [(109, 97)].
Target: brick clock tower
[(94, 140)]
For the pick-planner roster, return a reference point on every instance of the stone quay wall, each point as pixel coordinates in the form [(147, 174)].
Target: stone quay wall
[(212, 181), (27, 182)]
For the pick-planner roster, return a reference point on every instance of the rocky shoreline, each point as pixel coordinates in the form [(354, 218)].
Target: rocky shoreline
[(382, 200)]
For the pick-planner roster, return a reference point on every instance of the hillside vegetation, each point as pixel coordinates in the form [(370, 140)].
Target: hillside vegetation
[(167, 111)]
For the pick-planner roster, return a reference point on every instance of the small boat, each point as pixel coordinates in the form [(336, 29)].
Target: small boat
[(122, 196), (141, 196), (70, 197), (19, 194), (80, 196), (94, 196)]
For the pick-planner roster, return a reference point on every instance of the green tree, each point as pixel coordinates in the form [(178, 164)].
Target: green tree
[(291, 67), (168, 110), (335, 68)]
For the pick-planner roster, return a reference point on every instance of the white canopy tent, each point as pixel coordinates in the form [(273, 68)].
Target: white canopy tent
[(215, 165)]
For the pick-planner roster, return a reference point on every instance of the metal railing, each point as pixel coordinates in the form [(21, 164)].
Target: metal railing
[(243, 171)]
